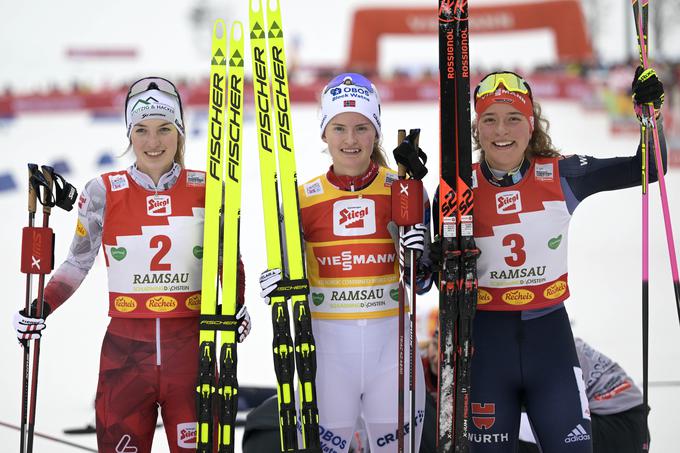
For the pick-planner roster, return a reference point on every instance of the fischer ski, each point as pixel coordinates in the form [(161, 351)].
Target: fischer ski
[(222, 208), (458, 277), (267, 47)]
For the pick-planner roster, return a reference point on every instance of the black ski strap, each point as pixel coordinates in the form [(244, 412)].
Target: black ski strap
[(218, 322), (289, 288)]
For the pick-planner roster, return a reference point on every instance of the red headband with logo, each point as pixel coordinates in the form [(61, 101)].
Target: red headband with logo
[(520, 101)]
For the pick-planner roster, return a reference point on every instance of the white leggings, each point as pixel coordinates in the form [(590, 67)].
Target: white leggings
[(357, 377)]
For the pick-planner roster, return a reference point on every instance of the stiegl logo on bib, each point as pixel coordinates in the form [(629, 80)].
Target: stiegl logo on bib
[(355, 217), (158, 205)]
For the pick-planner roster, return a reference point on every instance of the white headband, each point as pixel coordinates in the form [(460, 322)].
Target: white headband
[(348, 97), (153, 104)]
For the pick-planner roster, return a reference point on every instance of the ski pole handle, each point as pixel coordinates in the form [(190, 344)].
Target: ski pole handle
[(32, 194), (401, 169), (48, 197)]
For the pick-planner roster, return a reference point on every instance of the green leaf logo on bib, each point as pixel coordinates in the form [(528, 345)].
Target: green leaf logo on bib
[(553, 243), (394, 294), (118, 253), (317, 298), (198, 252)]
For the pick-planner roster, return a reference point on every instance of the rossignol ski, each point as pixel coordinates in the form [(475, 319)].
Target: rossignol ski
[(458, 277), (222, 207), (267, 46)]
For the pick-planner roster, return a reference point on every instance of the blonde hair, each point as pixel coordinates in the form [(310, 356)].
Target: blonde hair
[(540, 143), (378, 155)]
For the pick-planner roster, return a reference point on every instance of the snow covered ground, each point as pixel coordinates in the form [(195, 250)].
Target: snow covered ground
[(604, 258)]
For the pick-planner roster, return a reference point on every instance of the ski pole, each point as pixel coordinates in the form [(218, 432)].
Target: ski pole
[(32, 202), (48, 202)]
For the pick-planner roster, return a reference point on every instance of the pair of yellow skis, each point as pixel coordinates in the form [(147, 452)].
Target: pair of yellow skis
[(275, 140)]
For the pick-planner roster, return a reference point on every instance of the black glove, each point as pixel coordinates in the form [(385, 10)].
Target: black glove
[(435, 255), (647, 88), (410, 156)]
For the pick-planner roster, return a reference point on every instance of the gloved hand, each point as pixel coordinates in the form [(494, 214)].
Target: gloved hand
[(244, 324), (411, 156), (414, 239), (269, 281), (647, 88), (436, 253), (27, 328)]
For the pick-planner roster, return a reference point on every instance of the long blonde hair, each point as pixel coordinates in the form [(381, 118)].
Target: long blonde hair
[(540, 143)]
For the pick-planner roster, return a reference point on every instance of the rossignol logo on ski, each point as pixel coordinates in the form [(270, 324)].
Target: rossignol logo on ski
[(355, 217), (508, 202), (158, 205)]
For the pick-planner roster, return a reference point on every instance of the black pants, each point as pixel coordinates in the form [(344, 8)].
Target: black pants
[(614, 433)]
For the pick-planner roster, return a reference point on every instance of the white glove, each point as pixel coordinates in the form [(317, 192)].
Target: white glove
[(269, 281), (244, 324), (27, 328), (414, 239)]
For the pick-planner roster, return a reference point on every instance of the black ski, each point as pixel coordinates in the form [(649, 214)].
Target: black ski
[(458, 277)]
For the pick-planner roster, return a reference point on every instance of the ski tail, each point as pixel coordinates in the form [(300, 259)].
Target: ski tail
[(282, 343), (205, 389)]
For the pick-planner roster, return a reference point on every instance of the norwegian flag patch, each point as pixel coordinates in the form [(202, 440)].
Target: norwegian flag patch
[(349, 103)]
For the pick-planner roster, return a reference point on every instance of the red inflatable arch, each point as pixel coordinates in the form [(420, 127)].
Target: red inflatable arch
[(563, 17)]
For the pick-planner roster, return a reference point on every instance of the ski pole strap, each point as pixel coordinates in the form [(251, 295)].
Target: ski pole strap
[(289, 288), (65, 193), (218, 322)]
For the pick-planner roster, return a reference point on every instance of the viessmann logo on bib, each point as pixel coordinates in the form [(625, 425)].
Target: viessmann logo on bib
[(355, 217), (158, 205)]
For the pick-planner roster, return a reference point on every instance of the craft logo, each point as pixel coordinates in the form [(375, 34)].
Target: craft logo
[(508, 202), (124, 304), (483, 415), (186, 435), (355, 217), (158, 205), (161, 304), (118, 182)]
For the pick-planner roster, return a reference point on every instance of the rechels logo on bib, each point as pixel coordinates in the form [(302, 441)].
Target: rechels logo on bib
[(354, 217), (158, 205), (508, 202)]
